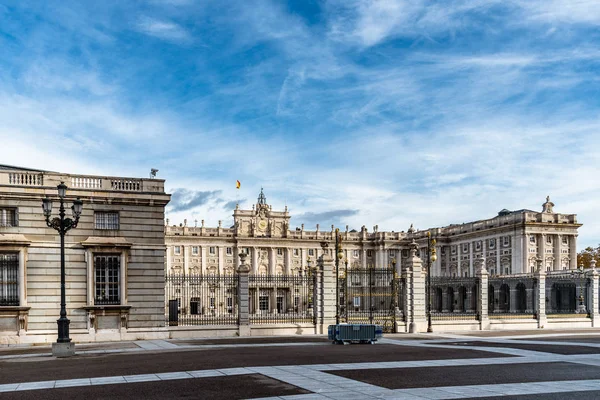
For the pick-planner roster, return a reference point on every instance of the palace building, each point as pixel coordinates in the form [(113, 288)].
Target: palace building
[(114, 257), (511, 243)]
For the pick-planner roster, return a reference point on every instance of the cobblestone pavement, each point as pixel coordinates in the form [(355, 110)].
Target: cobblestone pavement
[(553, 366)]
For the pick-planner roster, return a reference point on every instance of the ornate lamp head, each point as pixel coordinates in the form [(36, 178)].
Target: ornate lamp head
[(77, 208), (47, 207), (62, 190)]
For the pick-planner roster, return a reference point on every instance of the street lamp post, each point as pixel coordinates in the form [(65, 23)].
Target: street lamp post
[(62, 225), (580, 274), (431, 257)]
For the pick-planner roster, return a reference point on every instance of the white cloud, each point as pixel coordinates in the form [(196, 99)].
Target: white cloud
[(165, 30)]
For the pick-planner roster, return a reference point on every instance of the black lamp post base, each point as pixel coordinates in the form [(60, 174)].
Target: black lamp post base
[(63, 330), (62, 350)]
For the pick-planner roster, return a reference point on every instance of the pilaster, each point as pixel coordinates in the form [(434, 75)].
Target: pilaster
[(482, 306), (542, 249), (540, 275), (327, 302), (471, 263), (417, 317), (595, 302), (186, 259), (557, 252), (243, 297), (573, 252)]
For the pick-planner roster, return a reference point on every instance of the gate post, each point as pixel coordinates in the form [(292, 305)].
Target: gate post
[(326, 291), (593, 303), (482, 301), (540, 275), (243, 272), (416, 289)]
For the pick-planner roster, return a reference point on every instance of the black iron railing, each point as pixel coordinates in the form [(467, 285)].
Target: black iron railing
[(371, 296), (512, 296), (567, 295), (454, 298), (201, 300), (281, 299)]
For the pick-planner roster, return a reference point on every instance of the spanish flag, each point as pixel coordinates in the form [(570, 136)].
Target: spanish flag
[(237, 184)]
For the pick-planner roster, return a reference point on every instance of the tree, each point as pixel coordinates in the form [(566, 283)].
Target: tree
[(588, 254)]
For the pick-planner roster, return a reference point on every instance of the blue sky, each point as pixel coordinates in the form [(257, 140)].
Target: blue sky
[(349, 111)]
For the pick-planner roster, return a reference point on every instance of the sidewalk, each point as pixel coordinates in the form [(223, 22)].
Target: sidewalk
[(28, 351)]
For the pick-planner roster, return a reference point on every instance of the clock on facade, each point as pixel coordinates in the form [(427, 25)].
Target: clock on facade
[(262, 225)]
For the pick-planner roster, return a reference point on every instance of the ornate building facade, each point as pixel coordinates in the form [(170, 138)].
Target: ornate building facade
[(114, 257), (510, 242)]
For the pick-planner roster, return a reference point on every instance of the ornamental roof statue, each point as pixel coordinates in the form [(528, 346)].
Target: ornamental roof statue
[(261, 198), (547, 206)]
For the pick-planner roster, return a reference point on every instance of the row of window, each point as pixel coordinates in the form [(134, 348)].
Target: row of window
[(104, 220), (107, 279), (229, 251), (533, 240), (246, 250)]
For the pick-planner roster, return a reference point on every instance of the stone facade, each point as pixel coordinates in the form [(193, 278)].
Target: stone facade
[(114, 257), (511, 242)]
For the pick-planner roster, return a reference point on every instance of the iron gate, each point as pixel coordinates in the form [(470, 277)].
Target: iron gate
[(370, 296)]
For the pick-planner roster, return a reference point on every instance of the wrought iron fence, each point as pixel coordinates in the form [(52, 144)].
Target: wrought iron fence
[(512, 296), (567, 295), (372, 296), (281, 299), (201, 300), (454, 298)]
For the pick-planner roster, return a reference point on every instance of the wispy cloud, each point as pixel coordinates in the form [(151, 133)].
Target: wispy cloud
[(349, 112), (162, 29), (335, 217), (184, 199)]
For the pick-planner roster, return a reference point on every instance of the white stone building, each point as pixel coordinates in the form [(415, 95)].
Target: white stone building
[(114, 257), (511, 242)]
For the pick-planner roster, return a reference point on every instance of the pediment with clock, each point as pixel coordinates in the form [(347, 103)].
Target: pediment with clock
[(261, 221)]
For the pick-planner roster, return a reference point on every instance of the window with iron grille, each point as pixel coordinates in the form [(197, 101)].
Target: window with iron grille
[(107, 272), (9, 279), (194, 303), (106, 220), (8, 217), (263, 301), (230, 305)]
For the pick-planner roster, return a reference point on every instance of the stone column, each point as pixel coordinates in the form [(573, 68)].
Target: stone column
[(407, 297), (417, 317), (540, 275), (169, 258), (557, 252), (364, 259), (471, 266), (482, 301), (254, 267), (499, 243), (573, 252), (594, 302), (243, 297), (542, 249), (326, 308), (203, 259), (288, 261), (220, 254), (186, 259), (272, 262)]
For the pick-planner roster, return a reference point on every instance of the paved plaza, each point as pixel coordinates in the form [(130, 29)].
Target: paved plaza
[(538, 364)]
